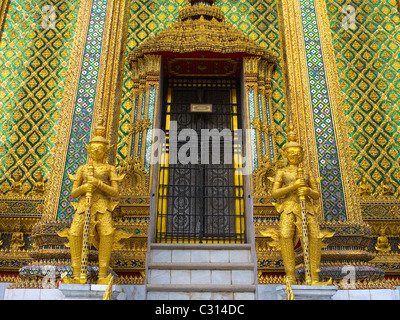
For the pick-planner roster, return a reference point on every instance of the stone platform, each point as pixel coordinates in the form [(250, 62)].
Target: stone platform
[(73, 292), (303, 292), (138, 292), (278, 292), (87, 291)]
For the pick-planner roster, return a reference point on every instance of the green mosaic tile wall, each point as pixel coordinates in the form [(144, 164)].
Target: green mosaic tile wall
[(366, 36), (35, 50)]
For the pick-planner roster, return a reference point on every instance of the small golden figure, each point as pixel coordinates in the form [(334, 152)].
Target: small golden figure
[(102, 183), (363, 188), (289, 187), (40, 185), (16, 185), (387, 188), (17, 239), (382, 243)]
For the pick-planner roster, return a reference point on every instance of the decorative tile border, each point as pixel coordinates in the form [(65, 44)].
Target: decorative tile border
[(140, 136), (261, 113), (331, 184), (269, 136), (253, 135), (21, 208), (84, 105), (132, 151), (149, 135)]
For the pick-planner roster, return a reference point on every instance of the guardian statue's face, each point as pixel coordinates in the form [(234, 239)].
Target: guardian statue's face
[(294, 155), (97, 151)]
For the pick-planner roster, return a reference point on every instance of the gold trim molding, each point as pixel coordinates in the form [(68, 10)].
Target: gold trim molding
[(3, 15)]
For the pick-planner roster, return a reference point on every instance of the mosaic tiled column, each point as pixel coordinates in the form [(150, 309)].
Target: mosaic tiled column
[(257, 75), (91, 93), (145, 99), (250, 76), (316, 106), (265, 112)]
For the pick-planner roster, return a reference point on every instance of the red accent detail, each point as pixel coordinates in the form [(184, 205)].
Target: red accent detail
[(130, 274), (9, 274), (201, 63), (298, 245)]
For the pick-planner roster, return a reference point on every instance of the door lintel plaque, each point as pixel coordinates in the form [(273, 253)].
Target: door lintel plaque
[(201, 107)]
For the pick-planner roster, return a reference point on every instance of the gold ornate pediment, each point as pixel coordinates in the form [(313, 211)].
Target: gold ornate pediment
[(201, 29)]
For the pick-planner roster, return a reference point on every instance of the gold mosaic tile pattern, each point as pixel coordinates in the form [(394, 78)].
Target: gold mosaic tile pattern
[(366, 37), (35, 47)]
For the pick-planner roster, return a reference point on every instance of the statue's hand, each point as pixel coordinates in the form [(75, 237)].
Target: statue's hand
[(93, 181), (303, 191), (88, 187), (299, 183)]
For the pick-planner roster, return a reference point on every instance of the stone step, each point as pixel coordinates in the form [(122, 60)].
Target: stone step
[(201, 266), (202, 295), (201, 246), (206, 277), (201, 271), (201, 292), (196, 253), (200, 288)]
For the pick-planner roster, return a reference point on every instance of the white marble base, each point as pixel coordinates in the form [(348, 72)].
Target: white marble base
[(165, 295), (138, 292), (95, 292), (269, 292), (33, 294), (302, 292), (367, 294), (87, 291), (266, 292)]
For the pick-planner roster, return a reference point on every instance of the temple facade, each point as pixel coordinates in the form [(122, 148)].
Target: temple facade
[(197, 98)]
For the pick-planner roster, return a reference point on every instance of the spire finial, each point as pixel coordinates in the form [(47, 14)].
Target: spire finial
[(291, 138), (100, 132)]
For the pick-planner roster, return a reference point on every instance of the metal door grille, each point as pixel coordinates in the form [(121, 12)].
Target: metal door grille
[(200, 202)]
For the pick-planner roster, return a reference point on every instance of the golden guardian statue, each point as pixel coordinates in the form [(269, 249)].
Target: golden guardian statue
[(96, 184), (297, 190)]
